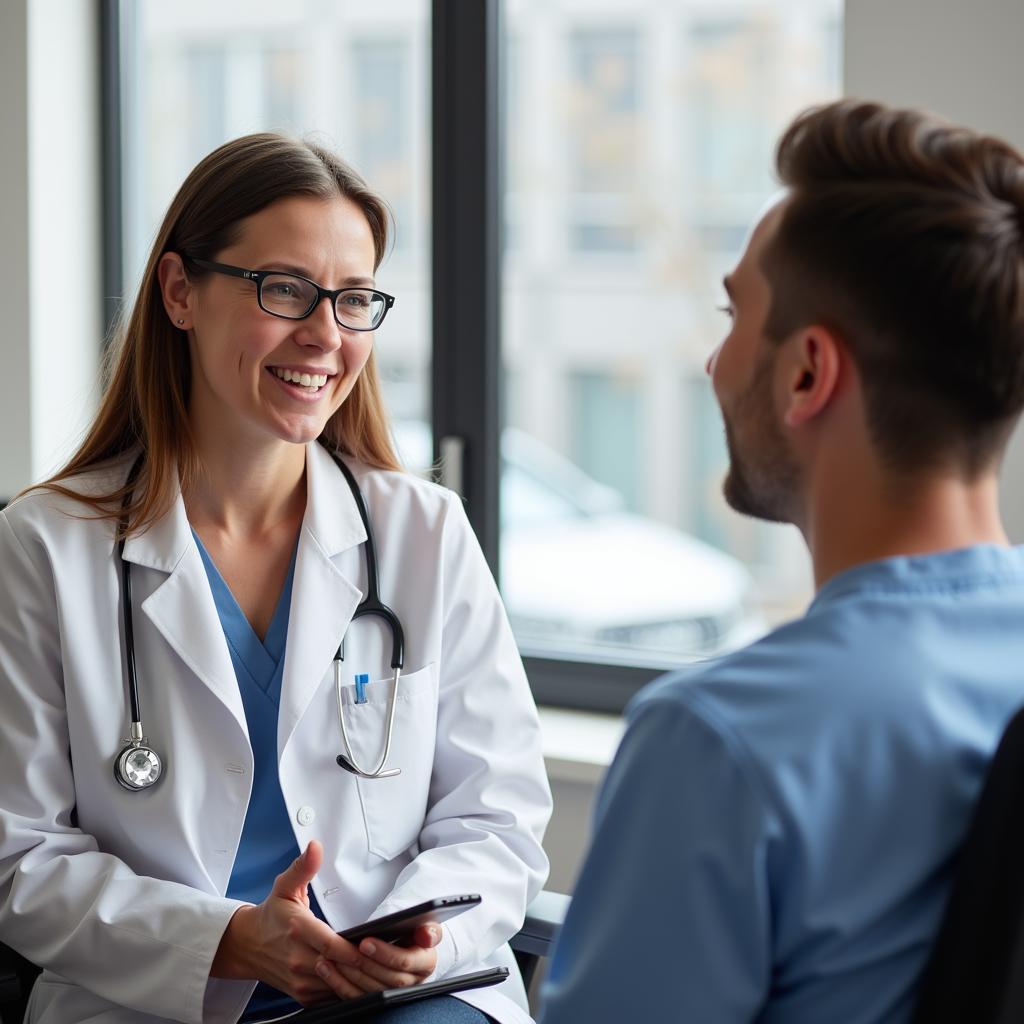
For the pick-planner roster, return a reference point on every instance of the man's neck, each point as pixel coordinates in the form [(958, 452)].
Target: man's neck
[(852, 520)]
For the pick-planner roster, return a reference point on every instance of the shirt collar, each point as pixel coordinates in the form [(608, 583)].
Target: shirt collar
[(959, 568)]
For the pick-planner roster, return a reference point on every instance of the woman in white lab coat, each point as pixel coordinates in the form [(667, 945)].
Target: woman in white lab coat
[(246, 554)]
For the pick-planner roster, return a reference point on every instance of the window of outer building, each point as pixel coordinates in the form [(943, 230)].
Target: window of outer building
[(607, 429), (601, 128), (381, 141)]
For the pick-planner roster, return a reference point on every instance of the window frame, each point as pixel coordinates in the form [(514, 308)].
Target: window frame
[(467, 162)]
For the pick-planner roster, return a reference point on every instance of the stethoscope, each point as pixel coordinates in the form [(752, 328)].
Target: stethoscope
[(138, 766)]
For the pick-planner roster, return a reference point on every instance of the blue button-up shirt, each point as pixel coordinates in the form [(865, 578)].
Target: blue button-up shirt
[(773, 841)]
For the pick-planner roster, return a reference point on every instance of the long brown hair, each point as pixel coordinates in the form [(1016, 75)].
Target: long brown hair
[(905, 234), (145, 403)]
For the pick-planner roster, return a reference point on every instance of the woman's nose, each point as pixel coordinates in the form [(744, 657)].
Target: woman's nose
[(321, 327)]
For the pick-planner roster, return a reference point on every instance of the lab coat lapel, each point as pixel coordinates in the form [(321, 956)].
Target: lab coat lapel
[(323, 599), (182, 606)]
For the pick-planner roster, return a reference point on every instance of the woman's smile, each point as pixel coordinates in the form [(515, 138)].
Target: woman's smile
[(301, 385)]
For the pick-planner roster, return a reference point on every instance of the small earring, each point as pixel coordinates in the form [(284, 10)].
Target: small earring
[(180, 322)]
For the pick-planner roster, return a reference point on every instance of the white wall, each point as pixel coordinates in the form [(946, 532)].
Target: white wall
[(50, 230), (15, 450)]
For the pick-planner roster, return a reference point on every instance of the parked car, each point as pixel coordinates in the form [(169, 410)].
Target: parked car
[(578, 570)]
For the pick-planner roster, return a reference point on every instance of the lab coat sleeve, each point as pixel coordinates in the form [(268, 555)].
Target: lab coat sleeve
[(670, 917), (144, 943), (489, 799)]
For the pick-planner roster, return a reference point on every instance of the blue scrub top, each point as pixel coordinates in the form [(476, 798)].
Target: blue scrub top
[(267, 846)]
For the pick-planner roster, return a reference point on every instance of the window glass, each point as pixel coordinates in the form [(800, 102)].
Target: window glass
[(639, 141), (606, 431), (601, 128), (381, 69), (198, 74)]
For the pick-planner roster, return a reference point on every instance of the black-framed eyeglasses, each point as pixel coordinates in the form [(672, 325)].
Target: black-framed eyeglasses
[(294, 297)]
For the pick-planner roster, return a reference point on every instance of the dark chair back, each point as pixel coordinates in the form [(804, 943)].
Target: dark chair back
[(16, 977), (976, 970)]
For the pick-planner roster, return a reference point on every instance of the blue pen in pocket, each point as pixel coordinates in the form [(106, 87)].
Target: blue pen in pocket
[(361, 680)]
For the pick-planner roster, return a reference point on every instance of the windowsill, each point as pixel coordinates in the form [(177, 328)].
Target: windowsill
[(578, 745)]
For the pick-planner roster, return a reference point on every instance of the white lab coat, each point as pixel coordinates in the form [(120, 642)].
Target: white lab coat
[(120, 895)]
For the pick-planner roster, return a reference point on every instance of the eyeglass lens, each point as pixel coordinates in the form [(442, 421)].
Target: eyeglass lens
[(292, 297)]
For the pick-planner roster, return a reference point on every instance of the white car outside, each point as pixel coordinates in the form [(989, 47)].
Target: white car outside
[(579, 571)]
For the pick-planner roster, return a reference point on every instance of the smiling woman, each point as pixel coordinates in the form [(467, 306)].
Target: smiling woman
[(239, 387), (281, 185), (217, 527)]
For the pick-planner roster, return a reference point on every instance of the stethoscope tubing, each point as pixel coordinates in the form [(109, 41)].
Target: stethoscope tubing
[(372, 604), (126, 598)]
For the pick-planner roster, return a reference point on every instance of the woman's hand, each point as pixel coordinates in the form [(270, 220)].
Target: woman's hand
[(382, 965), (281, 941)]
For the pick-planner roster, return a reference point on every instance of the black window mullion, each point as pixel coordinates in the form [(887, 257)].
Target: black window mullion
[(466, 282), (466, 290)]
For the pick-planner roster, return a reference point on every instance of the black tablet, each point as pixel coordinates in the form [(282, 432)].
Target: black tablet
[(375, 1002), (399, 926)]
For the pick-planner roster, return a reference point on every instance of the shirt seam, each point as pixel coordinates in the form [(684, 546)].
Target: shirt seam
[(702, 711)]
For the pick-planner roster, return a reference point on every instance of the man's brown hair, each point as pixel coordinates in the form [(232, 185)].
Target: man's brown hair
[(905, 235)]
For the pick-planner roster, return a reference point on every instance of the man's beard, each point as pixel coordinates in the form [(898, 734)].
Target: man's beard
[(763, 476)]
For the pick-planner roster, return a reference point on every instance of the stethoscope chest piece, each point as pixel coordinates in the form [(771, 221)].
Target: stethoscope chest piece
[(137, 767)]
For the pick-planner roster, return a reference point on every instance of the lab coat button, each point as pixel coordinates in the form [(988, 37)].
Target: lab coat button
[(306, 815)]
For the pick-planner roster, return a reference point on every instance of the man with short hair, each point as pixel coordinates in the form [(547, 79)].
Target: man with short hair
[(774, 840)]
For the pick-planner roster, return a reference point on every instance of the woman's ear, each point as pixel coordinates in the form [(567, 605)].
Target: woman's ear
[(812, 375), (176, 290)]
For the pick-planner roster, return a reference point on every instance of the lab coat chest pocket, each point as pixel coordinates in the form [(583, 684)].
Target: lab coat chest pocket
[(394, 809)]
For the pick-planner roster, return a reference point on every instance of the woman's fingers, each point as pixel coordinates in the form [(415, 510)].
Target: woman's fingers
[(404, 959), (342, 986), (378, 965), (427, 935), (347, 981), (372, 976), (381, 966)]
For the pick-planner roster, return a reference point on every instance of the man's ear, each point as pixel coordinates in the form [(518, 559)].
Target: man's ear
[(176, 290), (812, 375)]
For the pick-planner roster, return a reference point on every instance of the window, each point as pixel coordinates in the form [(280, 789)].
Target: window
[(602, 101), (378, 129), (607, 429)]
